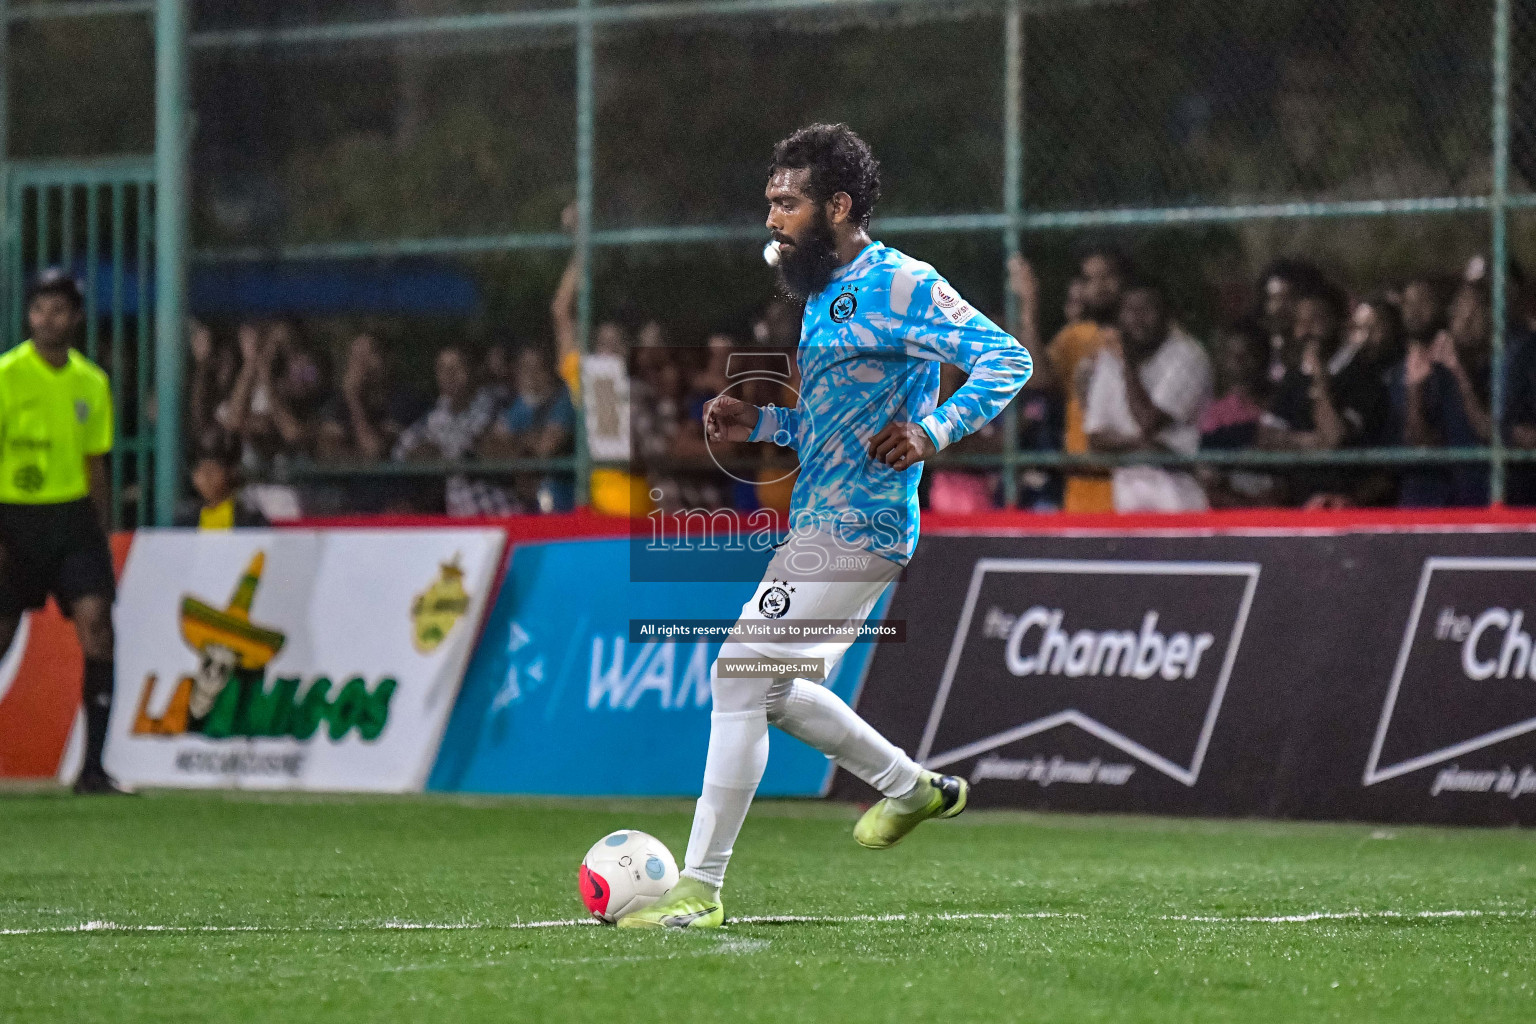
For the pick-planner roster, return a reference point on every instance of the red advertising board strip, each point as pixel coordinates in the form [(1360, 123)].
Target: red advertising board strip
[(564, 526), (582, 523), (1236, 521), (38, 708)]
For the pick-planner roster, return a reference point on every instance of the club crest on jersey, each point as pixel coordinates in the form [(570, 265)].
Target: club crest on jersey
[(775, 601), (843, 307), (955, 309)]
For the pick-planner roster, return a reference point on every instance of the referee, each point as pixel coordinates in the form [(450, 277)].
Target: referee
[(55, 432)]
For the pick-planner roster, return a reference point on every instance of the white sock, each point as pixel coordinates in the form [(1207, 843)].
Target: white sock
[(738, 753), (819, 717), (915, 798)]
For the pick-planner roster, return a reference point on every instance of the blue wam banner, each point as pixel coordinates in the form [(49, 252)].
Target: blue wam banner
[(561, 697)]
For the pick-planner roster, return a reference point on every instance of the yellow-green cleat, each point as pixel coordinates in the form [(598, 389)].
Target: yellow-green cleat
[(690, 904), (888, 822)]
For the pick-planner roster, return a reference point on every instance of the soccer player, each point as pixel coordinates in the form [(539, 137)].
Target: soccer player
[(877, 326), (55, 431)]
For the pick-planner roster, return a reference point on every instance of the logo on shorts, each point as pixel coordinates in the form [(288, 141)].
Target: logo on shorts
[(82, 410), (843, 307), (28, 479), (775, 600)]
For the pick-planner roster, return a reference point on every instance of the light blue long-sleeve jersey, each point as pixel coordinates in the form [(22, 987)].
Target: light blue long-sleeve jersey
[(871, 344)]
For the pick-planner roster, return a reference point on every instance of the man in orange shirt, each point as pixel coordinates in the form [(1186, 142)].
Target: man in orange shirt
[(1070, 355)]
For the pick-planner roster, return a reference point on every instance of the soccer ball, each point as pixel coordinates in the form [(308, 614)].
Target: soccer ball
[(624, 872)]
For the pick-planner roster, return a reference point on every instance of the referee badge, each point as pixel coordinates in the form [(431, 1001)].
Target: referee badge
[(30, 478), (82, 410)]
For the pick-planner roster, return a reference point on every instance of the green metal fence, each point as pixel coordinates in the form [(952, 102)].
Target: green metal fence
[(98, 219), (103, 219), (1104, 115)]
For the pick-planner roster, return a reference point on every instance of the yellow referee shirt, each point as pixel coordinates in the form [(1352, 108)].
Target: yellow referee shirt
[(50, 421)]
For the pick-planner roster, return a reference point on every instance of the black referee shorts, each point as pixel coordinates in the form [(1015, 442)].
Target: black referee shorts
[(56, 549)]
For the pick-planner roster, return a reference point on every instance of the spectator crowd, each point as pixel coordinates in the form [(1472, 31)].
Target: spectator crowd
[(495, 433), (1308, 369)]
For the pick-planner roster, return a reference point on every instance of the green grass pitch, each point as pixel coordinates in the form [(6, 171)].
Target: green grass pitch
[(244, 907)]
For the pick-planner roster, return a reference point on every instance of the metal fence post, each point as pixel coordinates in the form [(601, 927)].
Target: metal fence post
[(1013, 198), (584, 128), (172, 128), (1499, 258)]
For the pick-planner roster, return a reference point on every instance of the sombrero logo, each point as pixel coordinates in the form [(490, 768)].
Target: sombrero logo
[(229, 697)]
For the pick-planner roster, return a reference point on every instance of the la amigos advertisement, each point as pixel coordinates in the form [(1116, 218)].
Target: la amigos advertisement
[(293, 659)]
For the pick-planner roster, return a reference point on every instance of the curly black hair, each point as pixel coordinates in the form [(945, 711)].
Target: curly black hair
[(839, 161)]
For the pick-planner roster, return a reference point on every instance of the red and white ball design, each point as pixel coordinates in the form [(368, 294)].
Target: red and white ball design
[(625, 871)]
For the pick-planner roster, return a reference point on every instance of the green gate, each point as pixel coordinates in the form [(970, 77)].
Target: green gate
[(96, 220)]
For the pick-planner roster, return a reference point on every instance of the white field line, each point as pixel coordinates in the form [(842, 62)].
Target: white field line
[(361, 926), (882, 918), (1347, 915), (575, 922)]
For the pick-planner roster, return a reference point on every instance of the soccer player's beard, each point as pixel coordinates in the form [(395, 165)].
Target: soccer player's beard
[(806, 267)]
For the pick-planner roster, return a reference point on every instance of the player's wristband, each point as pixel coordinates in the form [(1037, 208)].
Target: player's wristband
[(767, 424), (937, 429)]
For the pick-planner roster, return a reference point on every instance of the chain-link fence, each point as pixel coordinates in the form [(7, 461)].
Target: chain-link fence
[(1381, 140)]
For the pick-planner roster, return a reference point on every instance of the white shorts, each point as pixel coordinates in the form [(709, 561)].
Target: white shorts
[(814, 580)]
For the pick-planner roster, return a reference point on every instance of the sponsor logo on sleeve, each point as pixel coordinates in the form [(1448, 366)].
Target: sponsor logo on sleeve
[(1136, 655), (955, 309), (1465, 677)]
